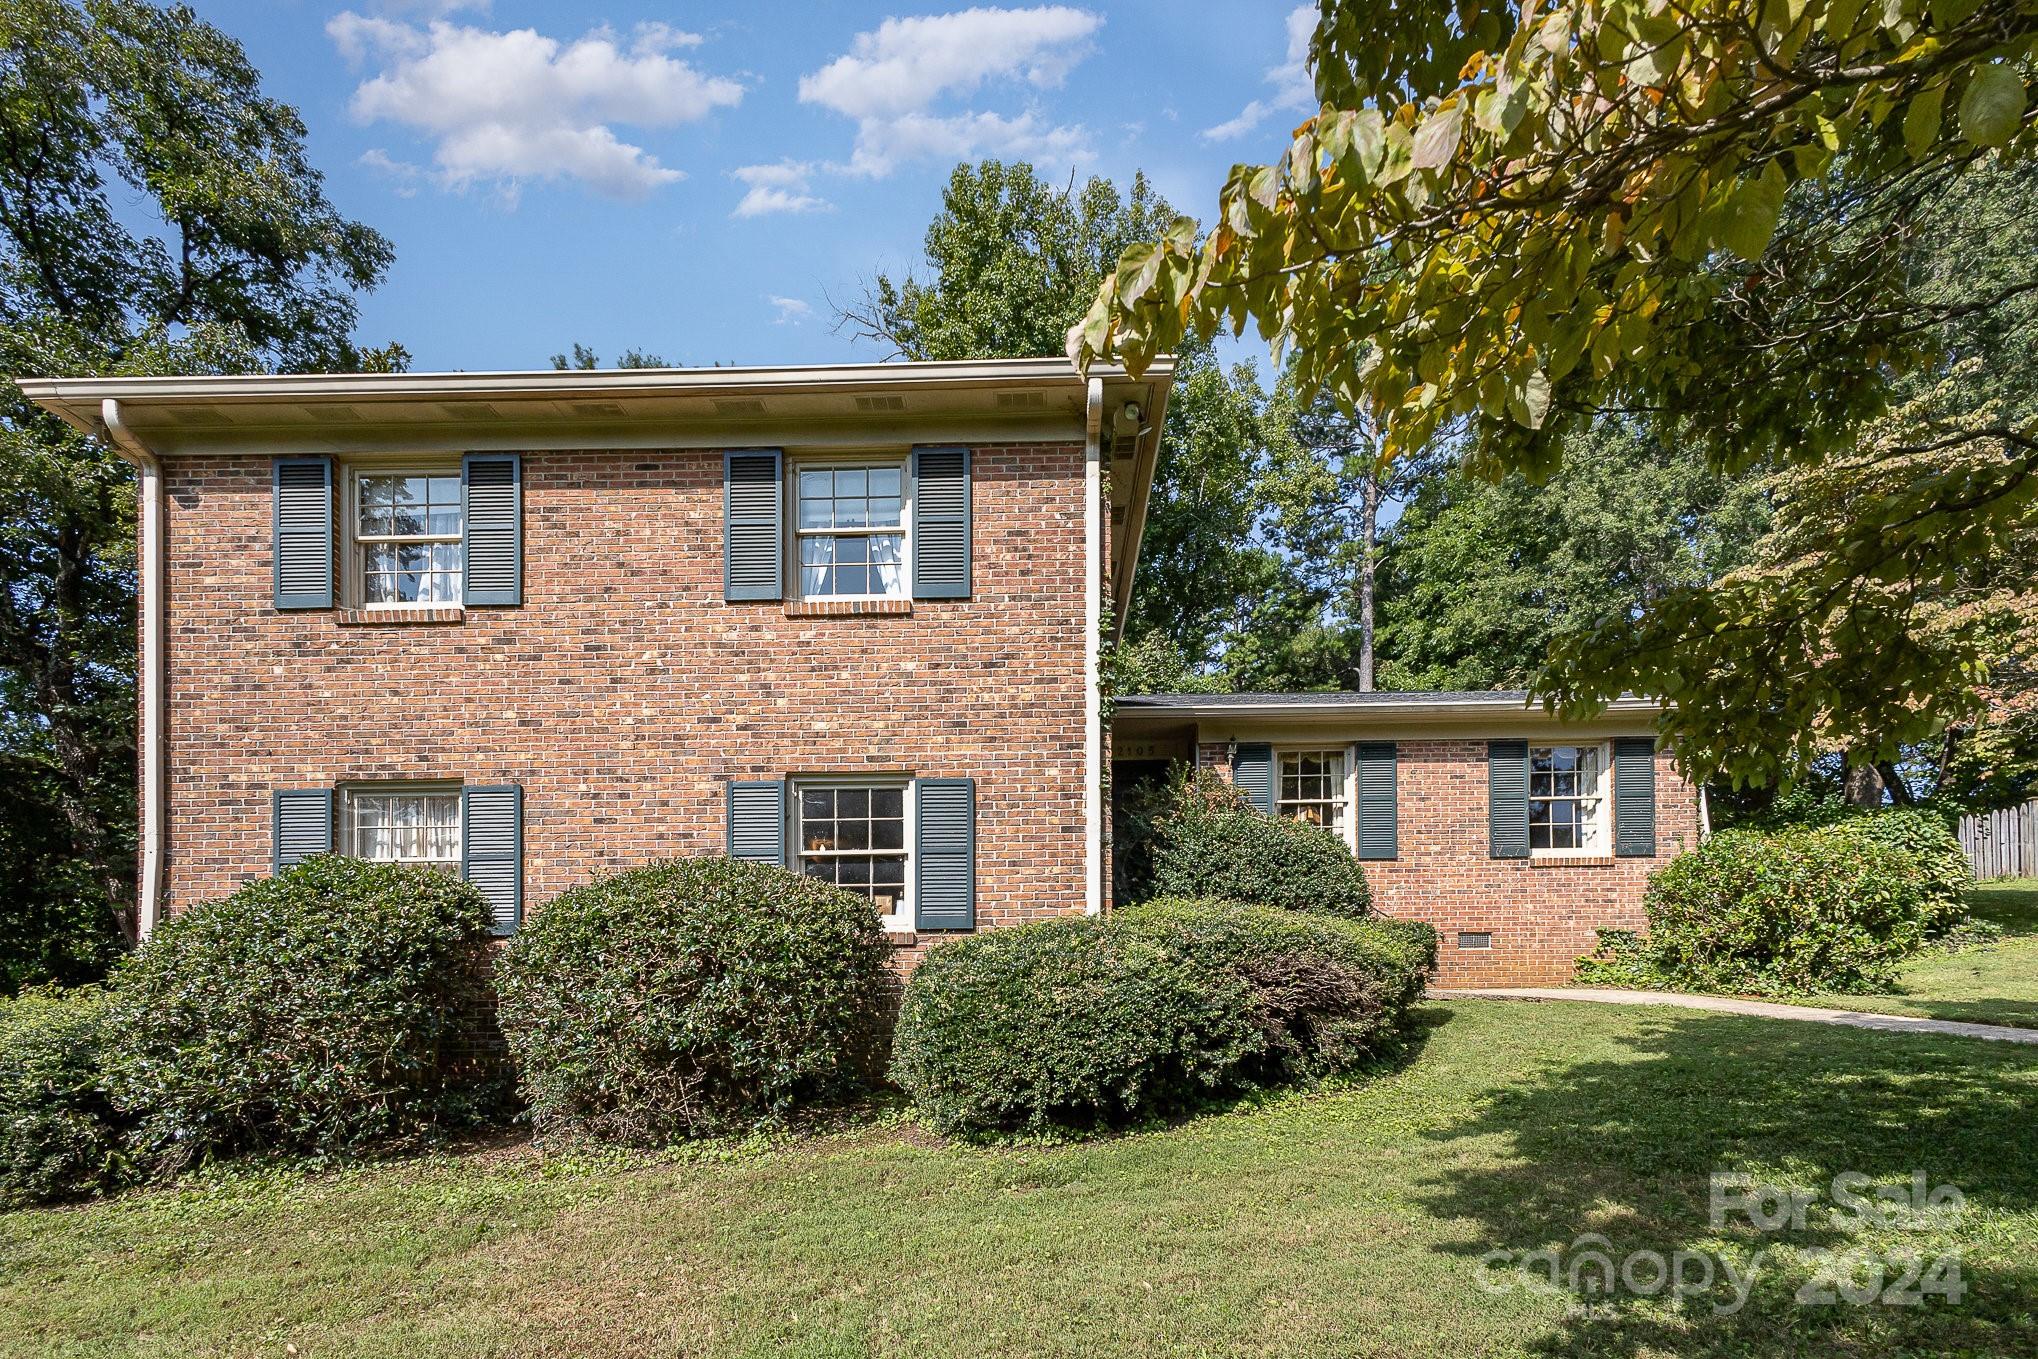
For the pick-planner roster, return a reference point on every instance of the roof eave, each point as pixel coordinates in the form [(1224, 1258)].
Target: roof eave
[(1414, 707), (77, 399)]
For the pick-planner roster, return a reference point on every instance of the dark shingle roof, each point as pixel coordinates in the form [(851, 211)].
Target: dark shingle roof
[(1329, 698)]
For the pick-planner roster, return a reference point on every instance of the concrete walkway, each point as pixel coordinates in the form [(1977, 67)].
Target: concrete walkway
[(1858, 1019)]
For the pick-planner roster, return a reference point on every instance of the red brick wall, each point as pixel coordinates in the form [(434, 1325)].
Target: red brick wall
[(624, 692), (1542, 913)]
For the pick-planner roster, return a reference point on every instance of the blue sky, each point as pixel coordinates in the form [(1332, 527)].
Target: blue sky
[(700, 180)]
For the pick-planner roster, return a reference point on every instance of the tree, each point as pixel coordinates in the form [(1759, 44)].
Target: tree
[(1529, 217), (157, 215), (585, 360), (1011, 263), (1328, 485), (1871, 569), (1200, 563), (1481, 576)]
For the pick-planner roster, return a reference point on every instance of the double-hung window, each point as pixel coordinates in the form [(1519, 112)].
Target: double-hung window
[(1566, 805), (854, 834), (1312, 788), (850, 525), (407, 538), (404, 825)]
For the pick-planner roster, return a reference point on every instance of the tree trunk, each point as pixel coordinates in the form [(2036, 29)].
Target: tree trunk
[(1863, 785), (1369, 531), (1899, 791)]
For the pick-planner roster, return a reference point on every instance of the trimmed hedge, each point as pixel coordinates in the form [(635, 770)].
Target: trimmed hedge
[(692, 997), (1208, 842), (1826, 908), (328, 1009), (1326, 989), (1079, 1023), (59, 1135)]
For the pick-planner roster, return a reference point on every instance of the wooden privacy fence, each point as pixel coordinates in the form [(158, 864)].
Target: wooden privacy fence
[(2002, 844)]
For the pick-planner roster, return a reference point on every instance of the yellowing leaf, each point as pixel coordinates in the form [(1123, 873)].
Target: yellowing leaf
[(1528, 398), (1993, 106), (1136, 271), (1436, 141)]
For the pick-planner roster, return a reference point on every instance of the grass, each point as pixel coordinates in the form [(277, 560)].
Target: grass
[(1347, 1222), (1996, 984)]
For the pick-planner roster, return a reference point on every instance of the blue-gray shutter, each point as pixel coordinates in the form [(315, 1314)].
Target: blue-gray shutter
[(757, 821), (491, 501), (1507, 832), (1378, 815), (303, 521), (492, 850), (1634, 797), (302, 821), (753, 524), (945, 854), (1252, 773), (941, 523)]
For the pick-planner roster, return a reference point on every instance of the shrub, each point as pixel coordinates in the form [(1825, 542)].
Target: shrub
[(1326, 990), (1070, 1023), (1927, 838), (692, 997), (1830, 908), (59, 1136), (327, 1009), (1080, 1023), (1209, 842)]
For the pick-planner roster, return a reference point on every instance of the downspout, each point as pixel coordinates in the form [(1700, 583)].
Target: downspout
[(150, 517), (1093, 640)]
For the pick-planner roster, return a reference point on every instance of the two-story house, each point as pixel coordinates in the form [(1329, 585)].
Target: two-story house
[(537, 626)]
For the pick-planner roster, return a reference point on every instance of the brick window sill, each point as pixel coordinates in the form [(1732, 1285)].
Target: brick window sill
[(901, 938), (1571, 861), (847, 608), (398, 618)]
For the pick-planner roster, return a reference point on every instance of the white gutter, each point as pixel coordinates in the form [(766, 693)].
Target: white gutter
[(149, 564), (1093, 640), (75, 397)]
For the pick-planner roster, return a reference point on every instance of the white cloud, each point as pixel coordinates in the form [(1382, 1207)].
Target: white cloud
[(891, 78), (1294, 91), (401, 173), (505, 107), (791, 311), (782, 187)]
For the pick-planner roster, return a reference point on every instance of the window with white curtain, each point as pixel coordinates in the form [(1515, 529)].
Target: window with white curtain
[(850, 526), (406, 826), (1567, 809), (406, 538)]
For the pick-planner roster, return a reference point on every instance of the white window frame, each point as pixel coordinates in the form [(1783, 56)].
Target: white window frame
[(901, 919), (356, 587), (1602, 818), (794, 533), (1345, 799), (349, 823)]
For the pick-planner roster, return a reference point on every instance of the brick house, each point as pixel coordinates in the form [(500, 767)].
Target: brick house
[(538, 626), (1516, 835)]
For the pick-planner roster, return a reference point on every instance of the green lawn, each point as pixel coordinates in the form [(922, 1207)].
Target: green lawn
[(1349, 1222), (1993, 985)]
